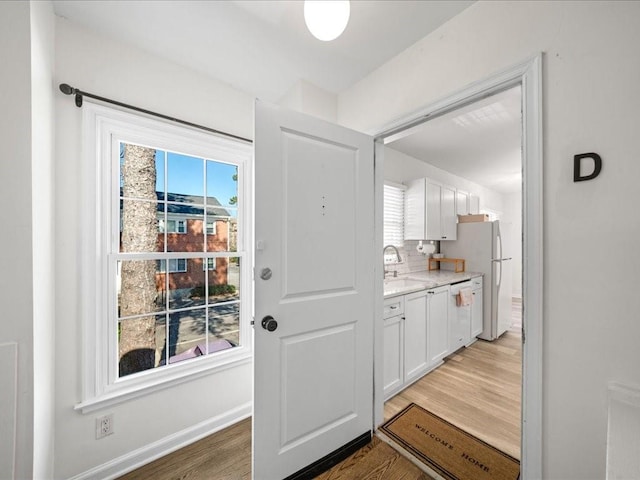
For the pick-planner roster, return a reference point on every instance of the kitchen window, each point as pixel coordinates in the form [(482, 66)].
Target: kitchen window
[(393, 214), (166, 296)]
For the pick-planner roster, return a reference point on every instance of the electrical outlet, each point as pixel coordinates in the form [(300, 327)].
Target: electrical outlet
[(104, 426)]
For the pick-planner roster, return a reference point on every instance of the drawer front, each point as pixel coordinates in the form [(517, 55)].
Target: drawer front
[(393, 307), (476, 283)]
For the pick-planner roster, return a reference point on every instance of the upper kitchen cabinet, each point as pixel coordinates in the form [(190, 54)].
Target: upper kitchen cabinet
[(462, 203), (430, 212), (474, 204), (466, 203)]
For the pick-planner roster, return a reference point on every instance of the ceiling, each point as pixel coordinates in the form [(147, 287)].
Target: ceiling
[(263, 48), (480, 142)]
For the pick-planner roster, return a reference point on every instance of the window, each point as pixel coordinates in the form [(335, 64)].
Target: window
[(173, 226), (160, 306), (210, 264), (175, 265), (393, 214)]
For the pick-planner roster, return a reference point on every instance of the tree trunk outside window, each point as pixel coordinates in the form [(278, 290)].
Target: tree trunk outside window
[(137, 337)]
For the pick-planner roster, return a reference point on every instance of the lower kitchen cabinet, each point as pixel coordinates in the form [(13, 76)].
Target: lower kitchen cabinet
[(437, 325), (416, 358), (393, 344), (415, 337)]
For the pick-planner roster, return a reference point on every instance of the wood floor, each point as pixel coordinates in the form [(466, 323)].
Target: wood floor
[(225, 455), (477, 389)]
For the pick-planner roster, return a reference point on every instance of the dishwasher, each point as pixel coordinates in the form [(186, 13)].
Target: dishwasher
[(459, 318)]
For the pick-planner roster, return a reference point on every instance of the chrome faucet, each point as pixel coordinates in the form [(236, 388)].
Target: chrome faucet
[(395, 272)]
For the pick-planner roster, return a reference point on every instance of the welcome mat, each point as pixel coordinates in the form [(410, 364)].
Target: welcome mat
[(450, 452)]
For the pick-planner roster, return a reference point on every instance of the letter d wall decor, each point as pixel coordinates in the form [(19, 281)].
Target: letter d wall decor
[(577, 161)]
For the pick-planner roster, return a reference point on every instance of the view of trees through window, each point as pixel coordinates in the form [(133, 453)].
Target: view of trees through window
[(178, 269)]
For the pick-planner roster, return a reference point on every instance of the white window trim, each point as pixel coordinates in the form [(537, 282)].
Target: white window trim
[(103, 128)]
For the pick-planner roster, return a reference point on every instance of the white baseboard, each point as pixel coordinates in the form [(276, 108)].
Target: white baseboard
[(132, 460)]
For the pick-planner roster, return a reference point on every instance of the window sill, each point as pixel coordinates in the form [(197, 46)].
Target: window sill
[(152, 381)]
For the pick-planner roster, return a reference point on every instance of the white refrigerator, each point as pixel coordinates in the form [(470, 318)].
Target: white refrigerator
[(485, 249)]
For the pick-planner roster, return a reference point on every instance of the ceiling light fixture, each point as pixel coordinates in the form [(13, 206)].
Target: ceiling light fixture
[(326, 19)]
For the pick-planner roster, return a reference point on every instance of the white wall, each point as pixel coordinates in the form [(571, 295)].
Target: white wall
[(16, 249), (400, 167), (307, 98), (591, 99), (107, 68)]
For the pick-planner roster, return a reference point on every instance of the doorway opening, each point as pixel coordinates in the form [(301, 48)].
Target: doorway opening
[(517, 382), (476, 151)]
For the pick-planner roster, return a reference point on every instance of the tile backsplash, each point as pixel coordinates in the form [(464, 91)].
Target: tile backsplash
[(412, 260)]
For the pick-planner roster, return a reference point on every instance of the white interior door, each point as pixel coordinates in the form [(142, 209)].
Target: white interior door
[(313, 374)]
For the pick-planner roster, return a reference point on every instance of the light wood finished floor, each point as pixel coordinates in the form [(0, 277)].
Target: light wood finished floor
[(478, 389)]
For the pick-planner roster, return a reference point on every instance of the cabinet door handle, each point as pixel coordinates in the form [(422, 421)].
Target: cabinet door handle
[(393, 307)]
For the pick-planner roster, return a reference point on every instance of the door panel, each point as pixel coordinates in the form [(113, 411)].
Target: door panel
[(329, 218), (311, 363), (313, 374)]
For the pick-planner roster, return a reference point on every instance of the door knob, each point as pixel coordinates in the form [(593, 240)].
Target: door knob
[(265, 273), (269, 323)]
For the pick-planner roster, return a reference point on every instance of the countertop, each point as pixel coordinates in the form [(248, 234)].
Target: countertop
[(424, 280)]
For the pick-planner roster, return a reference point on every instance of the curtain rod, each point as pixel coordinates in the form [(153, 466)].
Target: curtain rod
[(69, 90)]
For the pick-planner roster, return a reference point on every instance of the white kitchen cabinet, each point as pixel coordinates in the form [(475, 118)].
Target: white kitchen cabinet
[(437, 324), (474, 204), (462, 203), (393, 364), (430, 211), (416, 360), (448, 217), (477, 311), (467, 203)]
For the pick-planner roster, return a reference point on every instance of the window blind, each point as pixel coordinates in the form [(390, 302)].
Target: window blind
[(393, 215)]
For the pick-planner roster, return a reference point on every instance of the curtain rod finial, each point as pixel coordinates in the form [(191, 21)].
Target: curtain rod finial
[(66, 89)]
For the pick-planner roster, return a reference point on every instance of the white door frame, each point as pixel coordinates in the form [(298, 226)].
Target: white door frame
[(528, 74)]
